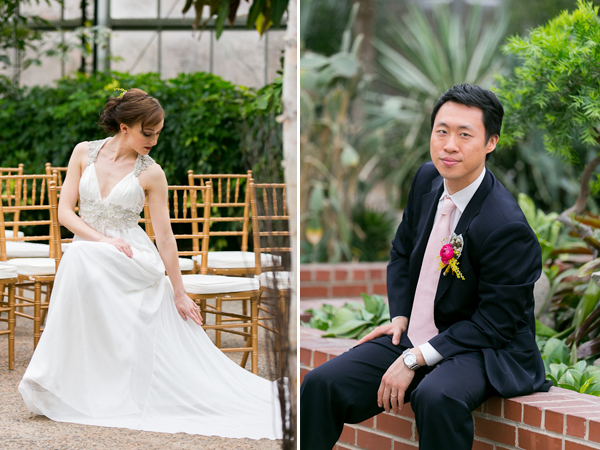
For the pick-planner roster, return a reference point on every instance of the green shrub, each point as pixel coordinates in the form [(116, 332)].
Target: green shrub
[(353, 320), (206, 118), (203, 116)]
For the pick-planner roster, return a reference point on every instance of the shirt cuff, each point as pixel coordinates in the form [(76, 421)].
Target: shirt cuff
[(430, 354), (397, 317)]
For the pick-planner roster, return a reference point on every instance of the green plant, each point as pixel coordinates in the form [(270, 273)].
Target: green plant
[(546, 227), (261, 135), (262, 14), (556, 91), (337, 155), (203, 116), (353, 320), (420, 59), (579, 378), (372, 233)]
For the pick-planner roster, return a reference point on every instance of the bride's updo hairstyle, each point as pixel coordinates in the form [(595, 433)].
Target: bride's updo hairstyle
[(133, 107)]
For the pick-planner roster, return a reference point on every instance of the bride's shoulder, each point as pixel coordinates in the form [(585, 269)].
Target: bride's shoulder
[(80, 152), (152, 172)]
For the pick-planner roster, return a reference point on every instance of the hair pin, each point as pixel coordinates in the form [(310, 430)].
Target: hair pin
[(123, 91)]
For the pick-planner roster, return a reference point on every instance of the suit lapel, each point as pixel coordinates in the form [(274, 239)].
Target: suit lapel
[(462, 226)]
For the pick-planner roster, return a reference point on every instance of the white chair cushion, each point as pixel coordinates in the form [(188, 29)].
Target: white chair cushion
[(276, 280), (7, 271), (34, 266), (9, 233), (218, 284), (186, 264), (238, 260), (27, 250)]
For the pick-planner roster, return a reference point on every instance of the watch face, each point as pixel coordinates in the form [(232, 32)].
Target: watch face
[(410, 359)]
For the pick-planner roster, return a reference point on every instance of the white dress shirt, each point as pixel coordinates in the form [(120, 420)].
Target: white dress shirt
[(461, 199)]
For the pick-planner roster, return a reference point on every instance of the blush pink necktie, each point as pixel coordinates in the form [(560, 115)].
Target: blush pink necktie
[(421, 326)]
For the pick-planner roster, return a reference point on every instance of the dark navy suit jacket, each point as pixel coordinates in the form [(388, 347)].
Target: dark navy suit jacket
[(491, 311)]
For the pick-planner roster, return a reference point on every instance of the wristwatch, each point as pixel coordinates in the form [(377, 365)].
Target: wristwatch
[(410, 360)]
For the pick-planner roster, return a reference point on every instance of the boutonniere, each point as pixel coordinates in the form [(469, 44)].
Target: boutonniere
[(449, 255)]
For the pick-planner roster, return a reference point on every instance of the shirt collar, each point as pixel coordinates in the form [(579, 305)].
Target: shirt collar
[(462, 198)]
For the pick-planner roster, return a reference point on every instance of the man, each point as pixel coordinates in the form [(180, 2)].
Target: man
[(462, 325)]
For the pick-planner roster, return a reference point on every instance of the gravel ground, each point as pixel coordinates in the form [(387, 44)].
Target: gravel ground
[(21, 429)]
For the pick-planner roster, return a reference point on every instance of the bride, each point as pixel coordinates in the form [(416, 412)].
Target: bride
[(118, 349)]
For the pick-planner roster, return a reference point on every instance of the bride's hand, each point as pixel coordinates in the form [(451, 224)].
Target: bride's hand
[(120, 244), (186, 307)]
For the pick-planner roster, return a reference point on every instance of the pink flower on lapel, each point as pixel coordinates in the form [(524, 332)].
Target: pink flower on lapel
[(446, 253), (449, 255)]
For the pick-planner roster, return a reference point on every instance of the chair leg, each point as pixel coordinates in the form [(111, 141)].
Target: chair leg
[(245, 312), (219, 305), (37, 303), (11, 327), (254, 310)]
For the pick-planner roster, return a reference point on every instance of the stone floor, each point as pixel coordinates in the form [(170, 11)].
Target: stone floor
[(20, 429)]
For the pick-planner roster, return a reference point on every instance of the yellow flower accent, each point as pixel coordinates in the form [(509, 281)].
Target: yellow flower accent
[(123, 91)]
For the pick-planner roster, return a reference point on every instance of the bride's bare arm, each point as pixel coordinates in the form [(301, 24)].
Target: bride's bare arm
[(68, 200), (155, 183)]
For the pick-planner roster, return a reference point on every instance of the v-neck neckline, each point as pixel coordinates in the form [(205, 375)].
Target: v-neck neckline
[(118, 182)]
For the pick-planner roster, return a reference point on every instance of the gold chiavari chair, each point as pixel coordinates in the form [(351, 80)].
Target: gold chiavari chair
[(37, 208), (231, 200), (271, 235), (60, 172), (190, 216), (10, 196), (8, 279)]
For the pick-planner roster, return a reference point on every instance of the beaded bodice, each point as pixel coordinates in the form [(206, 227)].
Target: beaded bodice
[(122, 207)]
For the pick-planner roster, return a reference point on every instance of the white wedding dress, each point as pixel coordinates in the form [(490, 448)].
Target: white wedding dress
[(116, 353)]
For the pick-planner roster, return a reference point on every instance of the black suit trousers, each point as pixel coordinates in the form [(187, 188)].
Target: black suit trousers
[(344, 390)]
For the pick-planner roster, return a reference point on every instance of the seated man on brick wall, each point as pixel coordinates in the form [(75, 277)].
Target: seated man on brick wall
[(460, 287)]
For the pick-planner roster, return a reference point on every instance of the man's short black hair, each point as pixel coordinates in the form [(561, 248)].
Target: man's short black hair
[(476, 97)]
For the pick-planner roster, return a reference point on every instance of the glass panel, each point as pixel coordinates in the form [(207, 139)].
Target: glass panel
[(73, 9), (182, 52), (276, 45), (175, 7), (73, 61), (45, 11), (48, 71), (239, 57), (133, 9), (130, 46)]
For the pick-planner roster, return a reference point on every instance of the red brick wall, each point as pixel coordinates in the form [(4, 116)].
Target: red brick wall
[(557, 420), (342, 280)]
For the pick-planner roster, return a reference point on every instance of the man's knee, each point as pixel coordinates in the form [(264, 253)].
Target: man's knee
[(315, 380), (427, 396)]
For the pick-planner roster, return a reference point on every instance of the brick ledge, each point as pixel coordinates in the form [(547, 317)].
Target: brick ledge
[(557, 420)]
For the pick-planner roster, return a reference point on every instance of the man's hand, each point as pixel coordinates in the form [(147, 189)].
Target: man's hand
[(396, 328), (393, 386)]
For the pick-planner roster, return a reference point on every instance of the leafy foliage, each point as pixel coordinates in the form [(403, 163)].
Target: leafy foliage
[(16, 34), (420, 58), (203, 118), (579, 377), (262, 15), (202, 112), (337, 156), (556, 89), (546, 227), (353, 320)]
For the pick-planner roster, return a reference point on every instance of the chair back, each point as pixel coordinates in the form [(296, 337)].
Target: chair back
[(10, 195), (270, 220), (37, 207), (230, 202), (61, 174), (189, 212)]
